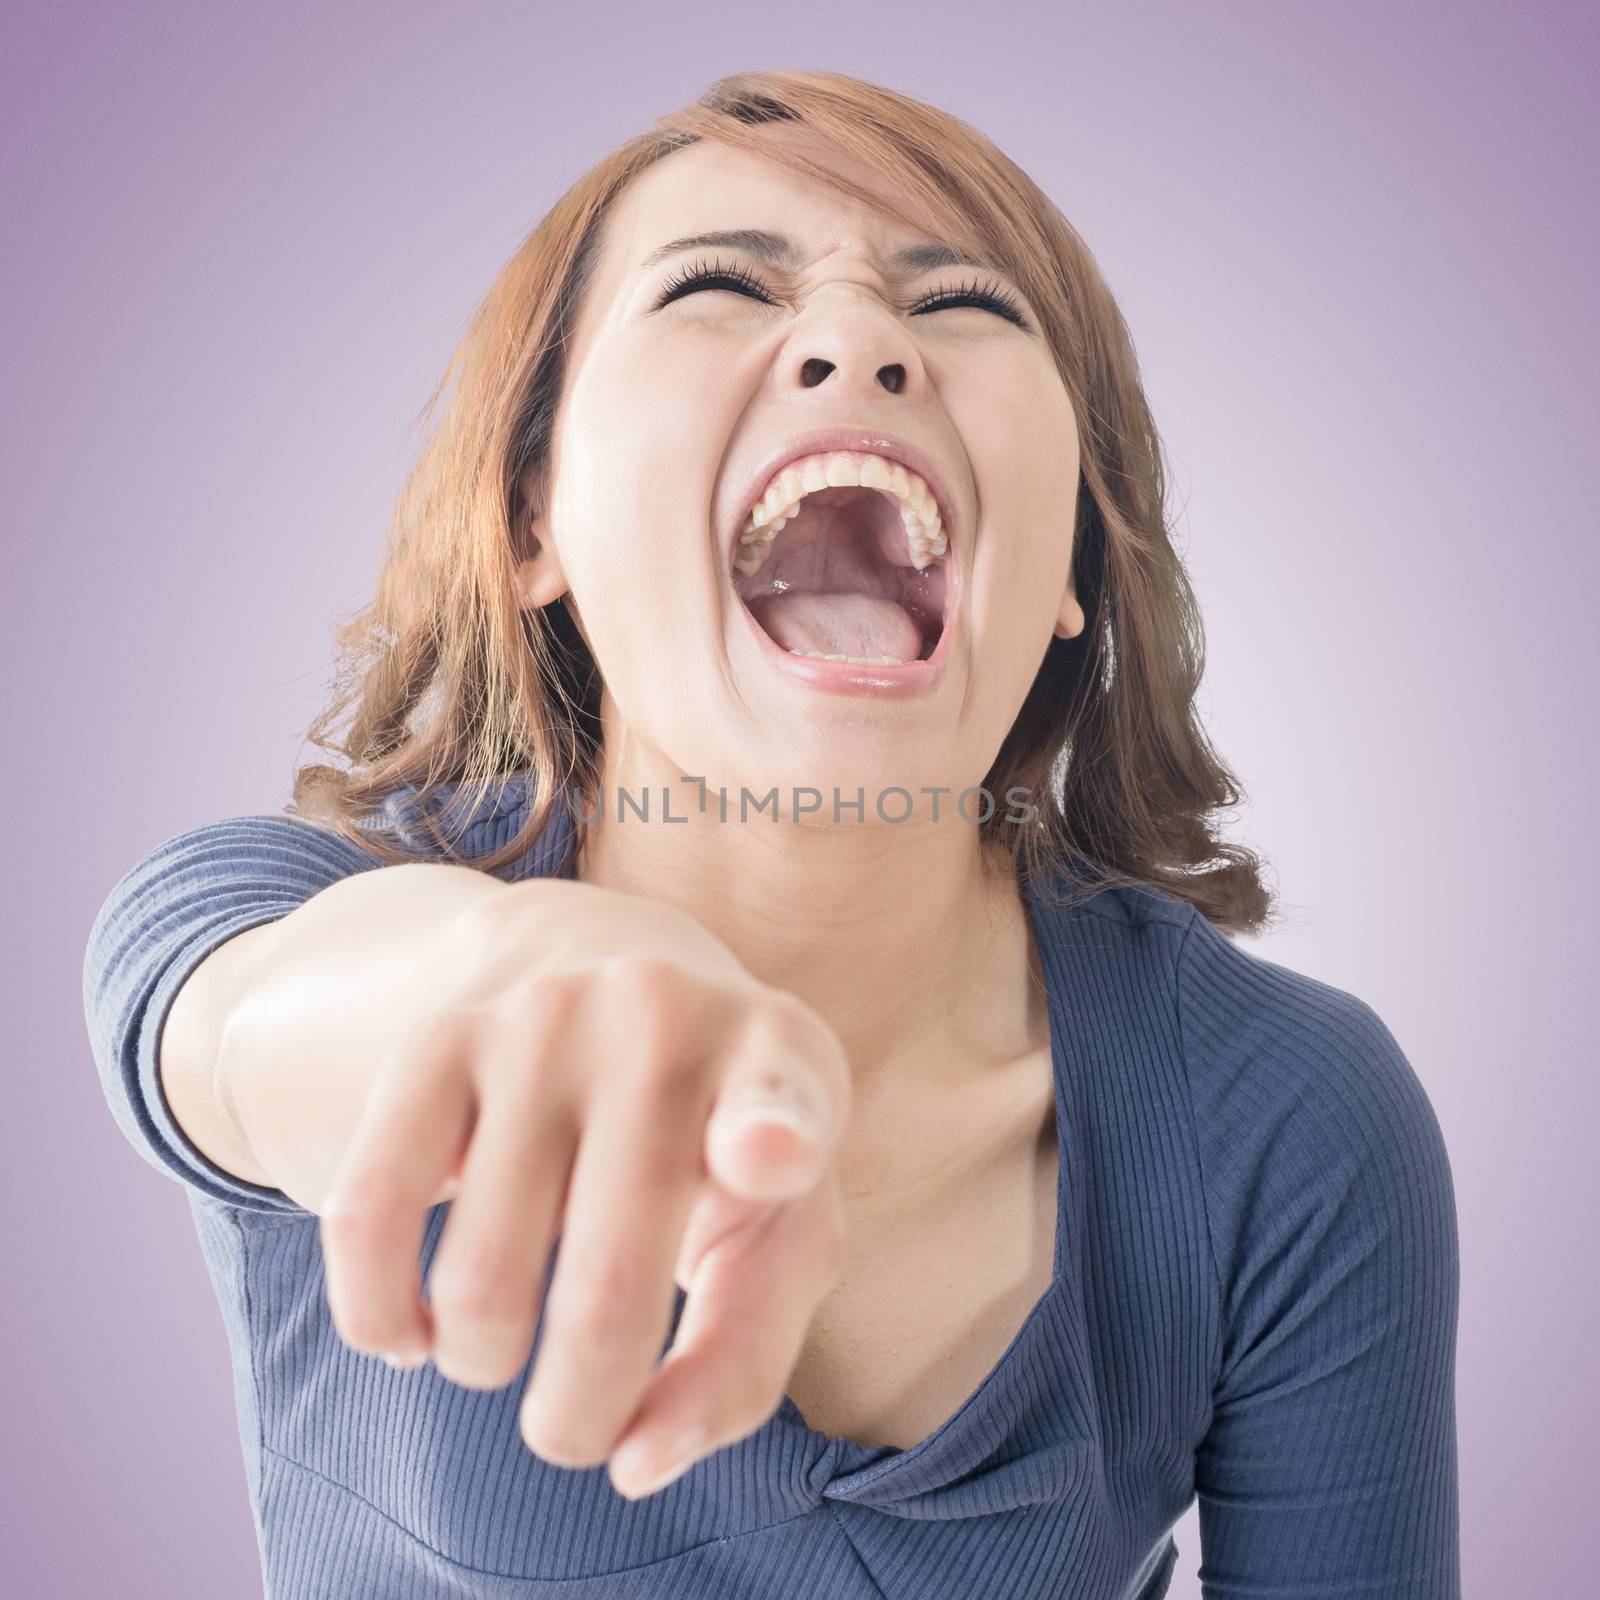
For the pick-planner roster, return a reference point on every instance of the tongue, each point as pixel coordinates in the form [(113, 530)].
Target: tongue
[(840, 624)]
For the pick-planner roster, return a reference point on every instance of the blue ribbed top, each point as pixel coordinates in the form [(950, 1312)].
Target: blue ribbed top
[(1254, 1302)]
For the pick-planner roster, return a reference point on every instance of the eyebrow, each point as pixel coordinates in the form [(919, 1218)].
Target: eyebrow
[(781, 252)]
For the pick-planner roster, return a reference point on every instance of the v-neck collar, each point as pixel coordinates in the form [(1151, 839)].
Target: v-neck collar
[(863, 1463)]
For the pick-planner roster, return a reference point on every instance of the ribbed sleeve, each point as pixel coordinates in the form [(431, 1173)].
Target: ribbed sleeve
[(1329, 1468), (161, 919)]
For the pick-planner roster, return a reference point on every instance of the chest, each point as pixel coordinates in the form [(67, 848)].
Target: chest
[(938, 1278)]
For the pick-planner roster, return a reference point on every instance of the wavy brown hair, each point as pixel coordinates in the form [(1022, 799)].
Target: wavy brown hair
[(444, 679)]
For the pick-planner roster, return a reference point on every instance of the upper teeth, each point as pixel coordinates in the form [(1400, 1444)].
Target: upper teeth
[(780, 501)]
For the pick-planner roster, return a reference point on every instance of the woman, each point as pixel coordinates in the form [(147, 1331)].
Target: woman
[(797, 1025)]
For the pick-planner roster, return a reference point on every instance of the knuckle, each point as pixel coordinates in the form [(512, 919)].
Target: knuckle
[(666, 1165), (542, 999), (432, 1041), (475, 1296), (596, 1321), (662, 1010), (669, 1071), (599, 1303), (645, 983), (359, 1217)]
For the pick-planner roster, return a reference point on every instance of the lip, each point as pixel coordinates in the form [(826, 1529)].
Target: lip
[(914, 677)]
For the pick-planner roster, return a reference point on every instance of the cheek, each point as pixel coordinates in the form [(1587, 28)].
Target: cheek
[(633, 487), (632, 517), (1043, 544), (1015, 630), (658, 413), (1022, 575), (1025, 445)]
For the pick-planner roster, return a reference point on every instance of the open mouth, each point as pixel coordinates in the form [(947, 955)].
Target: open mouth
[(843, 558)]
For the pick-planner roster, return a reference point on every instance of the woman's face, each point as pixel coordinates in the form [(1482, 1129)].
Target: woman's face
[(674, 415)]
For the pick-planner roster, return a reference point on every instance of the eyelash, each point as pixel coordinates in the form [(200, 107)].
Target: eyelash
[(989, 295)]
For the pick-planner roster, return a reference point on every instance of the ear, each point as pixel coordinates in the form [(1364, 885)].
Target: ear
[(538, 578), (1070, 620)]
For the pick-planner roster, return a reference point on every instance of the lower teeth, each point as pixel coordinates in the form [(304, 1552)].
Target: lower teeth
[(857, 661)]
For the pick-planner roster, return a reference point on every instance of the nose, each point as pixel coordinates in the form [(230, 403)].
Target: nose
[(846, 341), (815, 369)]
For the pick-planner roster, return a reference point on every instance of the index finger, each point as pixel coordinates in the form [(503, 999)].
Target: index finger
[(750, 1304)]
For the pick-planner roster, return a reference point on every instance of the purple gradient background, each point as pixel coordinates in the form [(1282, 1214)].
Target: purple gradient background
[(1356, 248)]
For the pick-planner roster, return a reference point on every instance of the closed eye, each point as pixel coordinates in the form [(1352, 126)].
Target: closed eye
[(991, 296), (987, 296)]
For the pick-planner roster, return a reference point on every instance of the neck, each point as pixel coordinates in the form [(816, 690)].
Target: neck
[(906, 938)]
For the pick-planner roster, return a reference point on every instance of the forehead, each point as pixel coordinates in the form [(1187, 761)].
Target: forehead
[(708, 187)]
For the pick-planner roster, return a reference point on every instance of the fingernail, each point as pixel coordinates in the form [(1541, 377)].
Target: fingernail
[(790, 1117), (405, 1360)]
